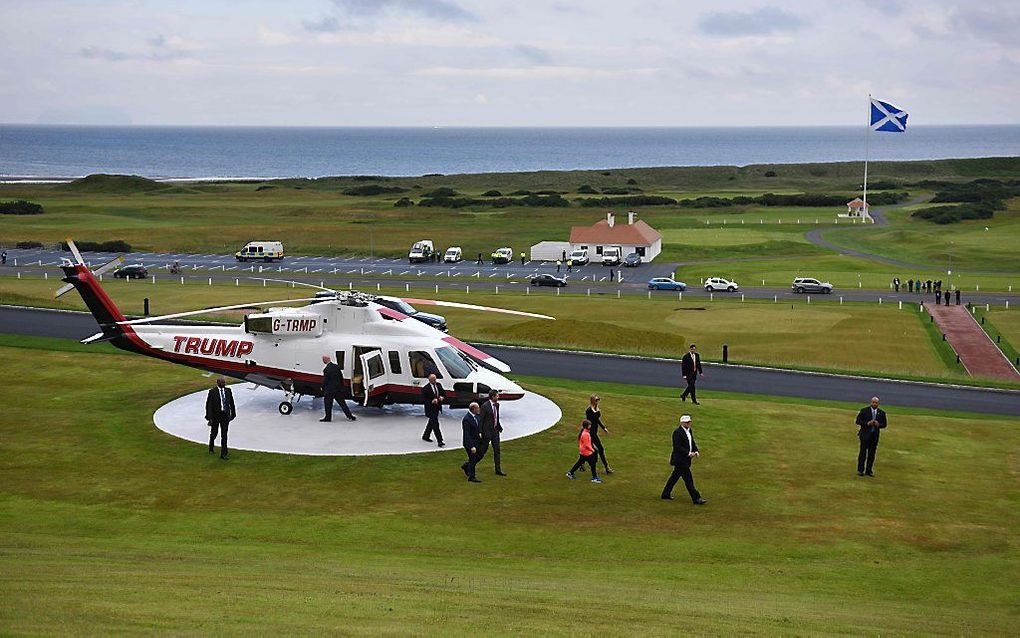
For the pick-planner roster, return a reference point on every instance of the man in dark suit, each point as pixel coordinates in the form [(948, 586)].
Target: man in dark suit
[(472, 425), (871, 421), (491, 428), (219, 412), (685, 450), (690, 366), (333, 390), (432, 396)]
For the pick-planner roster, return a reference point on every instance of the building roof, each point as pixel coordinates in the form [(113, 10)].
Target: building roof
[(856, 202), (637, 234)]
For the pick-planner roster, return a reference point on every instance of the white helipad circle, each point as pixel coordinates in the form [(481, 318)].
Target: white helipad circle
[(394, 429)]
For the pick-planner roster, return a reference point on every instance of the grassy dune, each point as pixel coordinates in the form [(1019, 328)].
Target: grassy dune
[(108, 525)]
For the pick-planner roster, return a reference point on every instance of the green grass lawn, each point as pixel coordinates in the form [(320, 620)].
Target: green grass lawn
[(825, 336), (108, 525)]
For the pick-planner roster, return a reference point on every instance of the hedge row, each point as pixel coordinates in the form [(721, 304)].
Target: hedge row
[(20, 207)]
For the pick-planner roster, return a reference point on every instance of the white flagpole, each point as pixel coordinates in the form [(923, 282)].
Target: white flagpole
[(867, 137)]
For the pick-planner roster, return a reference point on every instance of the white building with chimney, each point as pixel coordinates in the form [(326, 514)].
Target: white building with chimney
[(636, 236)]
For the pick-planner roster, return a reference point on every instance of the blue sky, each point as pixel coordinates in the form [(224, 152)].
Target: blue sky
[(507, 63)]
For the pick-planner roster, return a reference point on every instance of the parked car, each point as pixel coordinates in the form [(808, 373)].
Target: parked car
[(502, 255), (132, 271), (809, 284), (393, 303), (548, 280), (666, 283), (718, 283), (453, 255), (579, 257), (632, 260)]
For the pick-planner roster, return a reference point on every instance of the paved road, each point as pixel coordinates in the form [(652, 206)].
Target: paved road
[(641, 371)]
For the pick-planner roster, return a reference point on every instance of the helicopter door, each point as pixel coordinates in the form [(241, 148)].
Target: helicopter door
[(374, 373)]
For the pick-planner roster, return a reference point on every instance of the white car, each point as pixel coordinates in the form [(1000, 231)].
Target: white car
[(453, 255), (713, 284)]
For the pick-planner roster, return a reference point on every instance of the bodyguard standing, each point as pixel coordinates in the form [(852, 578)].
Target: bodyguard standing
[(219, 412), (871, 420), (957, 296), (491, 427), (947, 294), (432, 396), (690, 366), (685, 450), (472, 426), (333, 390)]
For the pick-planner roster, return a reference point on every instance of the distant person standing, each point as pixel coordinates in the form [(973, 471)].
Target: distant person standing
[(685, 450), (563, 255), (522, 257), (910, 285), (938, 298), (558, 265), (219, 412), (432, 396), (896, 283), (957, 296), (690, 367), (587, 453), (472, 426), (570, 265), (871, 420), (333, 390), (3, 258), (594, 415), (491, 428), (479, 262), (947, 294)]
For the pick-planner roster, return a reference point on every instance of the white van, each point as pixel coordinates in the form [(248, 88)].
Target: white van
[(612, 256), (579, 257), (453, 255), (421, 251), (260, 251)]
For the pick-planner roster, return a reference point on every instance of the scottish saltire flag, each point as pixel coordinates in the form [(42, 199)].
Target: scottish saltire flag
[(886, 117)]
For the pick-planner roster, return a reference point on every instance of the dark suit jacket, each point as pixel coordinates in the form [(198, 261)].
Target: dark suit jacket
[(864, 416), (427, 395), (490, 429), (214, 409), (332, 378), (472, 430), (681, 450), (690, 365)]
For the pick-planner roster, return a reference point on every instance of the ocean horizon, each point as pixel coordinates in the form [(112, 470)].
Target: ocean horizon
[(51, 152)]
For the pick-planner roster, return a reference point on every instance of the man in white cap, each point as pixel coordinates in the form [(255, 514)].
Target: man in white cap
[(685, 450)]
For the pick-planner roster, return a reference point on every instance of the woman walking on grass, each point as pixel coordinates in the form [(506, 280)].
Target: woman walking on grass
[(587, 453), (594, 414)]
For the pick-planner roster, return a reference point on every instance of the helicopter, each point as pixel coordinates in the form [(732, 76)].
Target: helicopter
[(386, 356)]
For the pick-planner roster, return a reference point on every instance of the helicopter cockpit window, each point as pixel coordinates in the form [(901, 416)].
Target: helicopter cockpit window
[(422, 365), (455, 364), (258, 324)]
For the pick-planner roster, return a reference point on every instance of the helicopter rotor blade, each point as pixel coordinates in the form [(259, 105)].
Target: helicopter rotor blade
[(108, 266), (295, 283), (203, 311), (74, 251), (468, 306)]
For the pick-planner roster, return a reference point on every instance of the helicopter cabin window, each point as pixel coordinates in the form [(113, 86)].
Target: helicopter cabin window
[(258, 325), (375, 367), (422, 365), (394, 362), (454, 362)]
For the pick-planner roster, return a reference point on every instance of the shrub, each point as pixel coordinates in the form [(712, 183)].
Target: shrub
[(264, 187), (954, 214), (546, 201), (369, 178), (20, 207), (492, 193), (620, 191), (112, 246), (403, 202), (547, 192), (770, 173), (442, 191), (631, 181), (629, 200), (519, 193), (28, 244), (372, 189)]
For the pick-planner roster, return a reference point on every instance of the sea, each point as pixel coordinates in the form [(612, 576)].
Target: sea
[(201, 153)]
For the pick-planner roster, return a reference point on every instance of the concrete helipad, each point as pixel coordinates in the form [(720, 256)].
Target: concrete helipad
[(394, 429)]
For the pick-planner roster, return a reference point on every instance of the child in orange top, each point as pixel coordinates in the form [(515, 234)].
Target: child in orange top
[(587, 453)]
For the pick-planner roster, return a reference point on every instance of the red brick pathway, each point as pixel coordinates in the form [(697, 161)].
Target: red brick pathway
[(979, 355)]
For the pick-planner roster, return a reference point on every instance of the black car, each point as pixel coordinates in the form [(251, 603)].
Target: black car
[(632, 260), (548, 280), (134, 271), (401, 306)]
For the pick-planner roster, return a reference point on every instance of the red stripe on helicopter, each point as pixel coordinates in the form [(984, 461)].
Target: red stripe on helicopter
[(392, 314), (467, 349)]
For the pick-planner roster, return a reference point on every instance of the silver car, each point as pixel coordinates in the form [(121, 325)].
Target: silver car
[(809, 284)]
